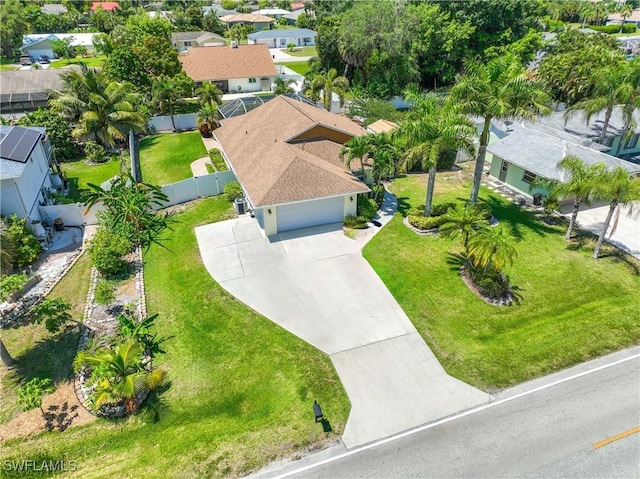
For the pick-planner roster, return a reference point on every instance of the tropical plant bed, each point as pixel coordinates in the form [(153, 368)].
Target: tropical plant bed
[(505, 297)]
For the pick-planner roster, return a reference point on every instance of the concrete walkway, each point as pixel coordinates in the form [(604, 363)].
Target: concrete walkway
[(199, 167), (316, 284)]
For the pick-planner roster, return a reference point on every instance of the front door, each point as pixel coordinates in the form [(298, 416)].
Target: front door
[(503, 171)]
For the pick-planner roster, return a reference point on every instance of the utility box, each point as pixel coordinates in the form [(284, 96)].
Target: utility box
[(240, 206), (537, 199)]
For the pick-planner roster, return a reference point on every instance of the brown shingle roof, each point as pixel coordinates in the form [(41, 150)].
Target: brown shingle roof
[(382, 126), (273, 171), (224, 62), (246, 18)]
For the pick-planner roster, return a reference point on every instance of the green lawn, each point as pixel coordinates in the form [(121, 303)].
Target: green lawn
[(8, 64), (166, 158), (301, 52), (78, 173), (241, 387), (573, 308), (96, 62), (299, 67)]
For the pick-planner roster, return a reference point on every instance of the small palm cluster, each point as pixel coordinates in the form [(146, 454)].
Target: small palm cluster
[(207, 117), (120, 373)]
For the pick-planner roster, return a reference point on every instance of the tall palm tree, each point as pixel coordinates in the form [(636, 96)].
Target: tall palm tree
[(359, 147), (608, 91), (125, 375), (625, 10), (324, 85), (463, 221), (165, 96), (492, 247), (581, 185), (433, 127), (283, 87), (103, 110), (208, 115), (209, 94), (630, 96), (621, 190), (499, 89)]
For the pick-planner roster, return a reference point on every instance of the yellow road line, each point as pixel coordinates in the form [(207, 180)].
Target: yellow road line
[(616, 437)]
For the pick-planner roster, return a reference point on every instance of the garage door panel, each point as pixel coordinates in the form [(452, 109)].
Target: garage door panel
[(310, 213)]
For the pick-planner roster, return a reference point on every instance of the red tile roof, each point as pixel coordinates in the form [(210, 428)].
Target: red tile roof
[(109, 6)]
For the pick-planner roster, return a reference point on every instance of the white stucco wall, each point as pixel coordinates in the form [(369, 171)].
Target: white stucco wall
[(35, 176), (350, 207), (245, 86)]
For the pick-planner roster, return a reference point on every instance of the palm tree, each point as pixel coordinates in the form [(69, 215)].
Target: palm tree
[(359, 147), (209, 94), (621, 190), (283, 87), (208, 115), (125, 376), (608, 91), (492, 247), (165, 96), (463, 221), (581, 184), (433, 128), (499, 89), (625, 10), (630, 95), (103, 110), (324, 85)]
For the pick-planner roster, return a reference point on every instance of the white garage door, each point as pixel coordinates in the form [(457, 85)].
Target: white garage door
[(309, 213)]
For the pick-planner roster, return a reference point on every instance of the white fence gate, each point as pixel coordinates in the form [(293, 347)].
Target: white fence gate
[(197, 187), (71, 214)]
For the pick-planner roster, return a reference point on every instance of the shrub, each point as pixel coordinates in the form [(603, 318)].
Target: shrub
[(30, 395), (26, 244), (377, 193), (106, 250), (104, 293), (355, 222), (217, 159), (436, 210), (95, 153), (367, 208), (492, 284), (12, 284), (232, 191), (53, 312), (425, 222), (611, 29), (446, 160)]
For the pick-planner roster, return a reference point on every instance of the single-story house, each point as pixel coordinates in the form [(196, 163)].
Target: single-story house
[(53, 9), (40, 44), (297, 6), (108, 6), (234, 69), (184, 40), (28, 171), (258, 22), (292, 17), (300, 37), (616, 18), (576, 124), (286, 156), (217, 10), (273, 12), (528, 153), (381, 126), (28, 90)]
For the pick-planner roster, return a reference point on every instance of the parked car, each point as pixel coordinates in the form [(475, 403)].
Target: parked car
[(44, 59), (26, 60)]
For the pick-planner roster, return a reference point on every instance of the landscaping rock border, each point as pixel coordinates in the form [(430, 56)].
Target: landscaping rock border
[(506, 300), (432, 231)]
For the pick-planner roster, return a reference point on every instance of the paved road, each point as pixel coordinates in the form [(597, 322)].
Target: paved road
[(547, 433)]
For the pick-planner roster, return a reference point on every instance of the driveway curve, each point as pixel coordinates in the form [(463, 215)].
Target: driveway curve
[(316, 284)]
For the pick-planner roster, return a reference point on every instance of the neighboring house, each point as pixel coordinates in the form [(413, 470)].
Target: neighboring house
[(292, 17), (40, 44), (576, 124), (273, 12), (297, 6), (184, 40), (381, 126), (300, 37), (217, 10), (616, 18), (108, 6), (258, 22), (53, 9), (28, 90), (234, 69), (28, 171), (286, 156), (530, 152)]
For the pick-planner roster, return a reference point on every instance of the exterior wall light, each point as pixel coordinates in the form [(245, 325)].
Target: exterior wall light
[(269, 211)]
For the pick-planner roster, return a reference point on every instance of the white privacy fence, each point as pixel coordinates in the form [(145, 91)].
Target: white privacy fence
[(185, 121), (179, 192)]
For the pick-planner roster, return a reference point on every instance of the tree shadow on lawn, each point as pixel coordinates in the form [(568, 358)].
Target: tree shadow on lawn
[(51, 357), (517, 218), (581, 239)]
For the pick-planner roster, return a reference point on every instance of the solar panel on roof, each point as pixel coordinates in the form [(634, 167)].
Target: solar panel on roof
[(18, 144)]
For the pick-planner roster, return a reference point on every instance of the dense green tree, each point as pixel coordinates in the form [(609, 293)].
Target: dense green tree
[(306, 20), (169, 92), (432, 128), (62, 48), (625, 10), (124, 64), (211, 23), (372, 109), (328, 53), (103, 20), (12, 27), (498, 89), (58, 131), (621, 191)]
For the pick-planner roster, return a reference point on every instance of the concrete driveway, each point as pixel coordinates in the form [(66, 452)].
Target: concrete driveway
[(316, 284)]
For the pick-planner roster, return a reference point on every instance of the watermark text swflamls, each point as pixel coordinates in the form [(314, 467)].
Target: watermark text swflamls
[(32, 465)]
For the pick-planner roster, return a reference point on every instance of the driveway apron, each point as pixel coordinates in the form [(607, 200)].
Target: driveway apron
[(316, 284)]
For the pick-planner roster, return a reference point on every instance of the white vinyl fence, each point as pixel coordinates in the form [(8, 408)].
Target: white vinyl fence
[(185, 121), (197, 187), (71, 214)]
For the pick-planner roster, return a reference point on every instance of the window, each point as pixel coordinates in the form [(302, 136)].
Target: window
[(631, 142), (252, 80), (306, 40), (608, 141), (187, 43), (528, 177)]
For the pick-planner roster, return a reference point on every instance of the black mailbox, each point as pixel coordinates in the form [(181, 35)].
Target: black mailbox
[(317, 411)]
